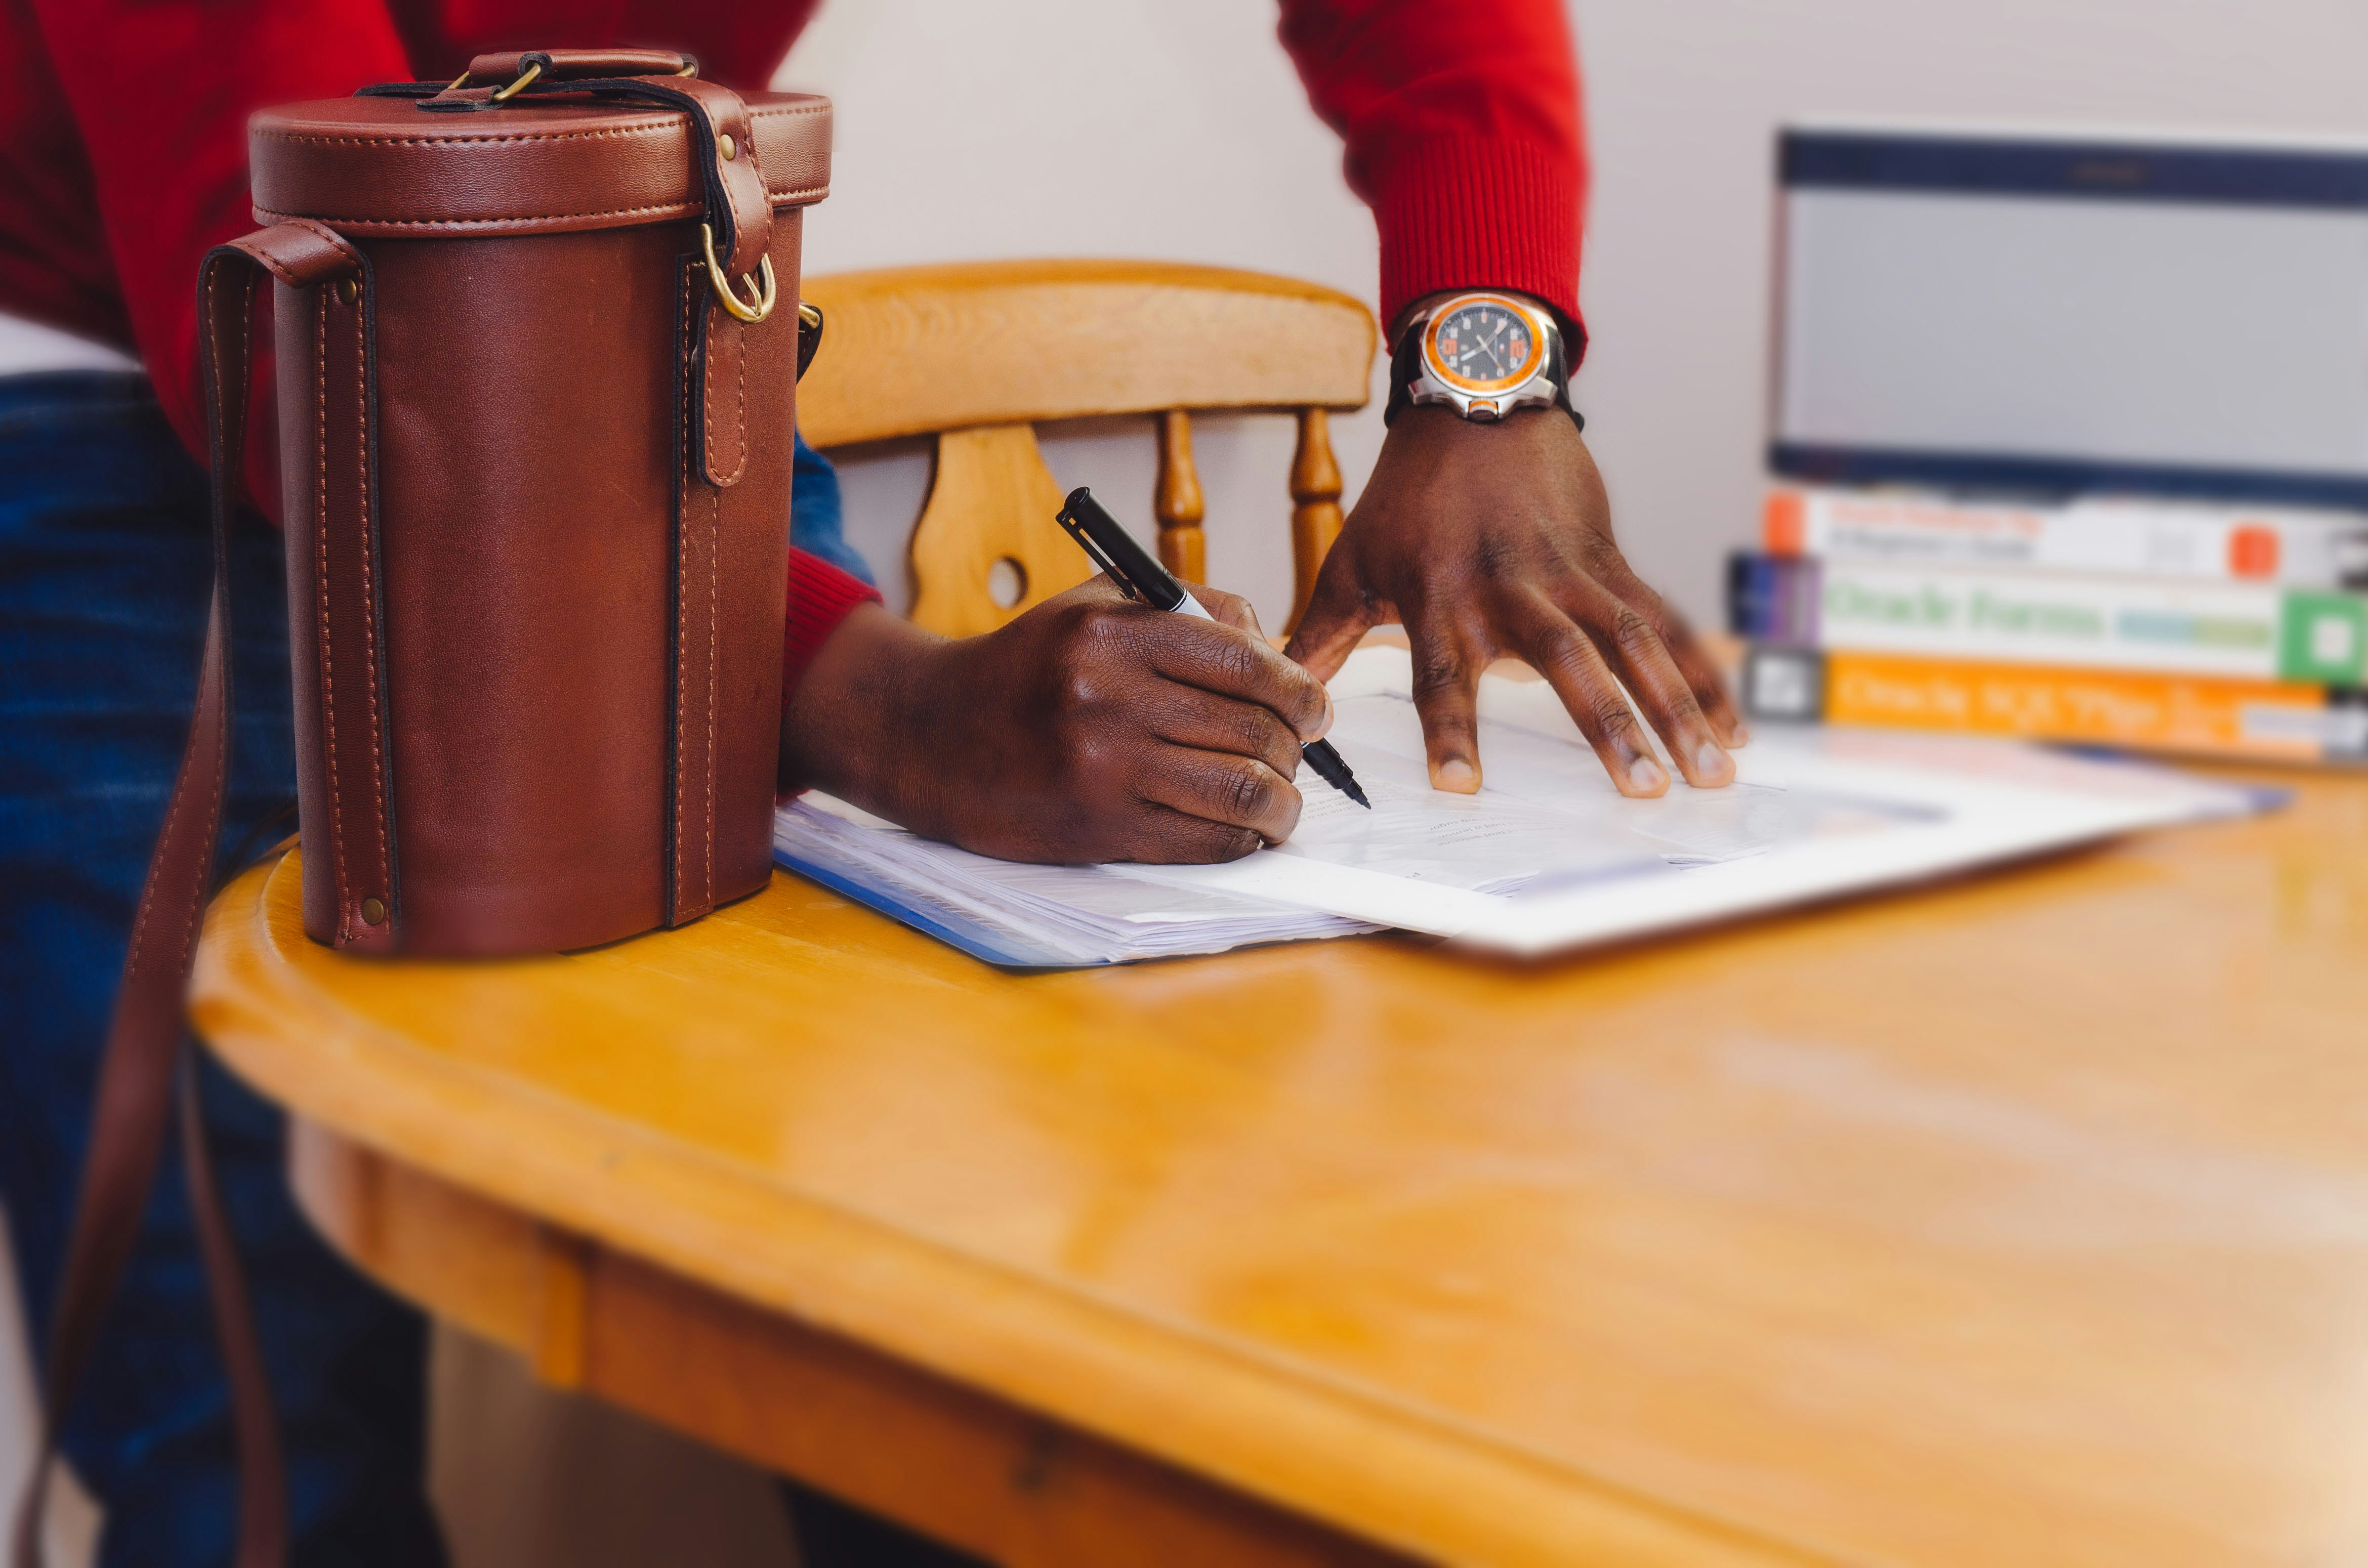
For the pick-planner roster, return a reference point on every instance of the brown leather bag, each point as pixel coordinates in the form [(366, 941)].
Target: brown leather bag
[(535, 411)]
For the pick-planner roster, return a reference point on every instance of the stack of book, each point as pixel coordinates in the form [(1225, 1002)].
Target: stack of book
[(2234, 630)]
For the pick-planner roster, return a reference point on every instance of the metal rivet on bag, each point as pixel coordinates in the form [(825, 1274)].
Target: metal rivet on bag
[(348, 290), (730, 149), (374, 911)]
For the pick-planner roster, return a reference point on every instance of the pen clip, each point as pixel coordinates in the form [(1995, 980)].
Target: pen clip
[(1095, 553)]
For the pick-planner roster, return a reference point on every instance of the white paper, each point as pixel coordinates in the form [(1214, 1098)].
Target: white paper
[(1547, 855), (1078, 915)]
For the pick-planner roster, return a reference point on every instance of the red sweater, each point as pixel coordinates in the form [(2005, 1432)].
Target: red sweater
[(123, 146)]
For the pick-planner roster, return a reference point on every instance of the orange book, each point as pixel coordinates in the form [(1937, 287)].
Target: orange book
[(2282, 720)]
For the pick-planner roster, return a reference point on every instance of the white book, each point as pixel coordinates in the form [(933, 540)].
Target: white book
[(2288, 546), (1547, 856), (2250, 630)]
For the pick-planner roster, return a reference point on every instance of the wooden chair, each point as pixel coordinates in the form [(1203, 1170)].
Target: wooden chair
[(977, 353)]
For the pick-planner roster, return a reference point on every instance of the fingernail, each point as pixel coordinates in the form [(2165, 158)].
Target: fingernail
[(1714, 765), (1742, 734), (1456, 776), (1645, 776), (1324, 725)]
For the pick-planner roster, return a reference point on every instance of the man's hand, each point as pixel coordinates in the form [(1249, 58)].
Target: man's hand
[(1089, 729), (1490, 539)]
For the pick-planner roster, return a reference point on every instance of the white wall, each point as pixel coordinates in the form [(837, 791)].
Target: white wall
[(1104, 127), (1083, 127), (1683, 101)]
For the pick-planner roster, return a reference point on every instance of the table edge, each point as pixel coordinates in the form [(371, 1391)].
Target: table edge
[(1396, 1475)]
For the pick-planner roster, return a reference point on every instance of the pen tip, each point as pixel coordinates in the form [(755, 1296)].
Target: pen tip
[(1358, 796)]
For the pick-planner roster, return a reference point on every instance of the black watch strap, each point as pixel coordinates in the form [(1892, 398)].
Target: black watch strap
[(1406, 365)]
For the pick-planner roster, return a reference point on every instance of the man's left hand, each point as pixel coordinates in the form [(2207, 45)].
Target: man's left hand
[(1484, 541)]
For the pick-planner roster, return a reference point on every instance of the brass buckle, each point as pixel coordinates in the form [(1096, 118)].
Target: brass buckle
[(759, 303)]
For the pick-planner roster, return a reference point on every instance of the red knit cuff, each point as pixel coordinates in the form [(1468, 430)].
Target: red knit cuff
[(1500, 214), (821, 595)]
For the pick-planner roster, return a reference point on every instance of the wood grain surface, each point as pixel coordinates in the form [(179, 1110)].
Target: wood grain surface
[(911, 350), (2013, 1219), (991, 499), (964, 1467)]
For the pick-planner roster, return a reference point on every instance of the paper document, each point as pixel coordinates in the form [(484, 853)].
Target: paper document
[(1547, 855), (1021, 915)]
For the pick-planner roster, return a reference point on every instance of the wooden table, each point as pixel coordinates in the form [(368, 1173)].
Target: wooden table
[(2022, 1219)]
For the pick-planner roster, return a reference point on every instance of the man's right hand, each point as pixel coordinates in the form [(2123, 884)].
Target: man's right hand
[(1091, 728)]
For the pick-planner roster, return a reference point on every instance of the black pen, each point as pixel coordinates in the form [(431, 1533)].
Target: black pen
[(1140, 577)]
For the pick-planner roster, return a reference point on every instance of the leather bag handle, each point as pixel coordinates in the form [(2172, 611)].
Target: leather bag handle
[(739, 209), (144, 1065), (577, 64)]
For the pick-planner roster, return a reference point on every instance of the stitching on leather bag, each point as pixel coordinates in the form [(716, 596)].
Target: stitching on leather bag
[(656, 129), (172, 816), (707, 407), (321, 571), (369, 586), (278, 269), (740, 414), (681, 599), (272, 263), (664, 207), (740, 426), (222, 752), (668, 209), (694, 387), (714, 592), (674, 123), (740, 408), (213, 819)]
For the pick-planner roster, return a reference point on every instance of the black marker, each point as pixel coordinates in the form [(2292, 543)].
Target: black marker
[(1140, 577)]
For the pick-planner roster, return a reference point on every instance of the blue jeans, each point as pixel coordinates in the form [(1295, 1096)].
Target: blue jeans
[(105, 558)]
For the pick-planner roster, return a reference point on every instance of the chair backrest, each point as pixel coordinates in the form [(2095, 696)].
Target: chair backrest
[(975, 353)]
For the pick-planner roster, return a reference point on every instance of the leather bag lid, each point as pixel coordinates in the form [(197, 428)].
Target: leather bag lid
[(380, 167)]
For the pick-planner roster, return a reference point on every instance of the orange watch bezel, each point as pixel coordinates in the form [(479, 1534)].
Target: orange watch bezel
[(1521, 376)]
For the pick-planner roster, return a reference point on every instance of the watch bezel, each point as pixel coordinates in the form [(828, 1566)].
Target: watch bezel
[(1498, 385)]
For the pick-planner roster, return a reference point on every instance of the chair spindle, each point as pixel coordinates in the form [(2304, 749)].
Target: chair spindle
[(1176, 501), (1315, 506)]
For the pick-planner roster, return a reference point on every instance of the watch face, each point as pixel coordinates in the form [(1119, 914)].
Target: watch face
[(1483, 343)]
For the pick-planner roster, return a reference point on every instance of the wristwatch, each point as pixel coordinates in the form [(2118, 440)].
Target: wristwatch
[(1485, 355)]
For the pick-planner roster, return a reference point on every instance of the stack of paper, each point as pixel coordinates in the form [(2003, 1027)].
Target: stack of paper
[(1547, 855), (1026, 916)]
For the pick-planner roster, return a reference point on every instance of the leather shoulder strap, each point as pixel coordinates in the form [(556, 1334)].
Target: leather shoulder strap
[(137, 1072)]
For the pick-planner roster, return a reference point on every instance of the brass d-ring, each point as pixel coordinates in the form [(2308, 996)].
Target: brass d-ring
[(528, 74), (759, 303)]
